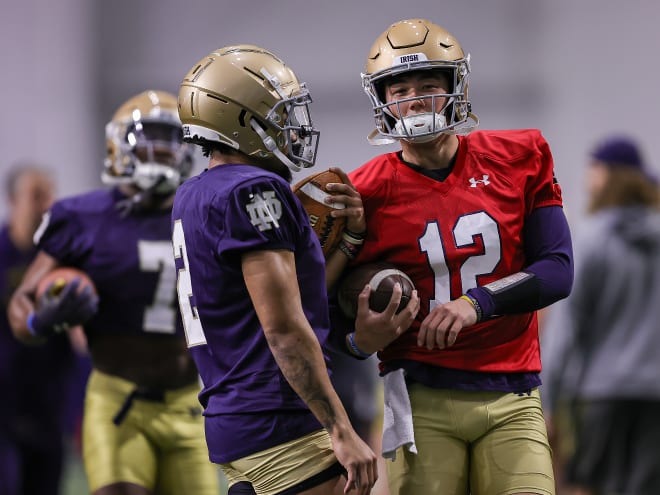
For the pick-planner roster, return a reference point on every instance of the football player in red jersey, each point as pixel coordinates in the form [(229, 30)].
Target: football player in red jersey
[(476, 220)]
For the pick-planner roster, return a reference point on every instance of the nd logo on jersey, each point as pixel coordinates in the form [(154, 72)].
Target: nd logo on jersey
[(265, 210)]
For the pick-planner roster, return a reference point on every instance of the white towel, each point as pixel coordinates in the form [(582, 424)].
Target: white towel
[(397, 416)]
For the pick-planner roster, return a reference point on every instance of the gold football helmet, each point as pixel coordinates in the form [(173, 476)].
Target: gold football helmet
[(145, 145), (247, 98), (414, 45)]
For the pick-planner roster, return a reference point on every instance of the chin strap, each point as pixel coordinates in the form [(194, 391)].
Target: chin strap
[(271, 146), (470, 124), (138, 200), (376, 138)]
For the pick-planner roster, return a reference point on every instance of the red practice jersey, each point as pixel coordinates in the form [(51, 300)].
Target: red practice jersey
[(463, 232)]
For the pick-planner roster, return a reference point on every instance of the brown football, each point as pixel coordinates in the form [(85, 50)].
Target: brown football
[(381, 277), (56, 279), (311, 192)]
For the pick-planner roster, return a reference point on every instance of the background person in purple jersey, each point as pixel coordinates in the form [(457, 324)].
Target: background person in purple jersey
[(142, 429), (252, 285), (34, 380)]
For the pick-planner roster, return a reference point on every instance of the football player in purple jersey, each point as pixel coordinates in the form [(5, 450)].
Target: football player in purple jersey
[(142, 429), (252, 284)]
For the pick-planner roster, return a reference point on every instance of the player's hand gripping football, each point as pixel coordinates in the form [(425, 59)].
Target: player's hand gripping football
[(59, 309), (346, 193), (442, 325), (375, 331)]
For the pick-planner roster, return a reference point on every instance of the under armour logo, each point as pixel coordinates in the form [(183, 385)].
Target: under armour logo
[(484, 180), (265, 210)]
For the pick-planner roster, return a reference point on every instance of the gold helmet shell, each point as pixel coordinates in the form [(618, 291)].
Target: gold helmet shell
[(144, 144), (247, 98), (413, 45)]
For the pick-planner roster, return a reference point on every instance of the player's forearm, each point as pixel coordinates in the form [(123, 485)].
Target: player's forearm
[(334, 266), (347, 250), (547, 278), (271, 280), (300, 359)]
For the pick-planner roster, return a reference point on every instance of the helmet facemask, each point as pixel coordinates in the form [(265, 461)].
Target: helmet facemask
[(160, 159), (450, 111), (291, 120)]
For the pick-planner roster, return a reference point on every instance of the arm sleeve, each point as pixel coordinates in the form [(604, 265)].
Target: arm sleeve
[(548, 276)]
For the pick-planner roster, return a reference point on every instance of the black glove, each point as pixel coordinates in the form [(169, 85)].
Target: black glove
[(60, 310)]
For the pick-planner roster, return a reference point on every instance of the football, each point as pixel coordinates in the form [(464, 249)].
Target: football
[(381, 277), (311, 192), (59, 277)]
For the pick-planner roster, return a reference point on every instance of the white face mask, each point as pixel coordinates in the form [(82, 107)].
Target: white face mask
[(420, 128), (153, 174)]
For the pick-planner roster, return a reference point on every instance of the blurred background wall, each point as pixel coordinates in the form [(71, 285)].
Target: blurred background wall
[(577, 69)]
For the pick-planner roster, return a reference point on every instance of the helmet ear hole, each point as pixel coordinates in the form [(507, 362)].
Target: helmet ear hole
[(241, 118)]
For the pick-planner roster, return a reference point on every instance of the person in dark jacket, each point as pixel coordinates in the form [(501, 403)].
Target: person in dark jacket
[(600, 345)]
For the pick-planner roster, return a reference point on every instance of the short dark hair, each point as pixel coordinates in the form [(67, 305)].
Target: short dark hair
[(209, 147)]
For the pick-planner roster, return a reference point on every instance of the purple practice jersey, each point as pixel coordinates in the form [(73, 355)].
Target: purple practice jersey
[(218, 216), (128, 258), (32, 378)]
